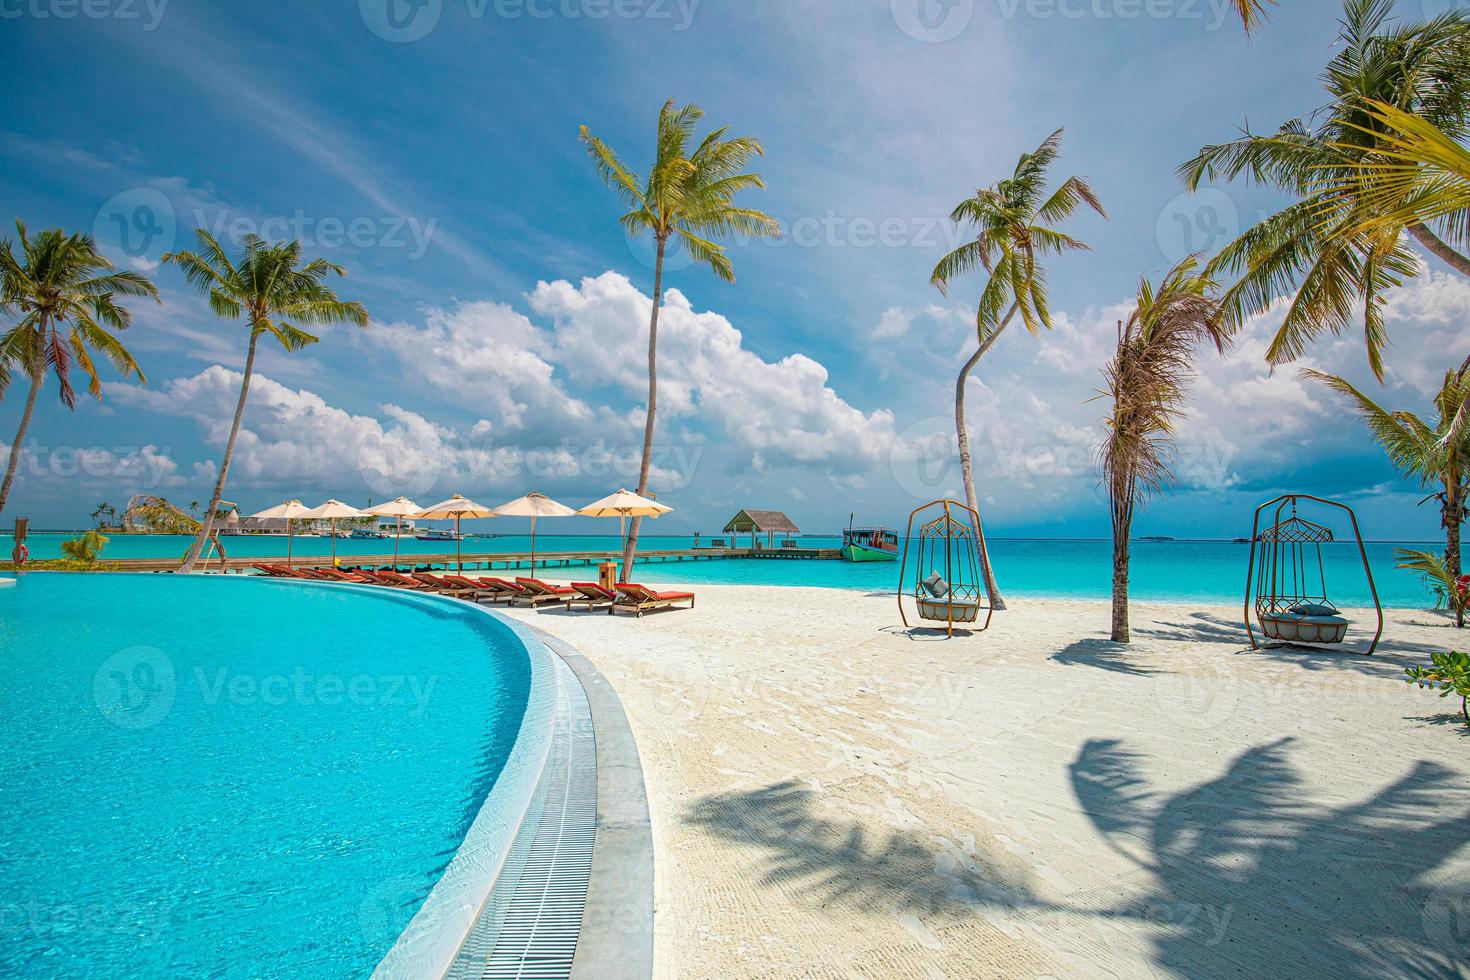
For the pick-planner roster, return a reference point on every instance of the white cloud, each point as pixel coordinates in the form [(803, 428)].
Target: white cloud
[(785, 411)]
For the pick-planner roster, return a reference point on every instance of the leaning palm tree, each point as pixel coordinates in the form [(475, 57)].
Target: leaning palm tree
[(1432, 452), (266, 285), (1318, 250), (1014, 220), (688, 200), (65, 292), (1147, 381)]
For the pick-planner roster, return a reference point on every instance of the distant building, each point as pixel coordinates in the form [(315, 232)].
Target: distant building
[(767, 522)]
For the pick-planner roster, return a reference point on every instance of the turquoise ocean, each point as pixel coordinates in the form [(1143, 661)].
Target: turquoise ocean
[(1174, 571)]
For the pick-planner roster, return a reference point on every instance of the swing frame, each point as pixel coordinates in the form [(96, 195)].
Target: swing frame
[(950, 530), (1273, 602)]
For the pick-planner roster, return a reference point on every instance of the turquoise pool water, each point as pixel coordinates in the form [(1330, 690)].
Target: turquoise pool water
[(1178, 571), (236, 778)]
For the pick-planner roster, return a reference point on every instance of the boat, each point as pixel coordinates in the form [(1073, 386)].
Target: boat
[(367, 534), (869, 544), (436, 535)]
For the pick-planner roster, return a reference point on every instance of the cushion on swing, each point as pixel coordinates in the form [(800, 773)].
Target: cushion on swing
[(935, 585), (1314, 609)]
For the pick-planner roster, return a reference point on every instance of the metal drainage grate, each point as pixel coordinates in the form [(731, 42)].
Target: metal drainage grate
[(529, 926)]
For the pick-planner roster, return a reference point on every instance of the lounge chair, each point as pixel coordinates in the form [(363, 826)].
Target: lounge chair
[(441, 585), (472, 590), (394, 580), (591, 596), (640, 599), (504, 591), (338, 575), (538, 592)]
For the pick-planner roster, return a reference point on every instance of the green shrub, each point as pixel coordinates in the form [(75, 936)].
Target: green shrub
[(1448, 673)]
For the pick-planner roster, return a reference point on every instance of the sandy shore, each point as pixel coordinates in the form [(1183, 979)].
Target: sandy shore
[(833, 796)]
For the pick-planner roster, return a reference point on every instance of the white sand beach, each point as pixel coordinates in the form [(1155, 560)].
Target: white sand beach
[(835, 797)]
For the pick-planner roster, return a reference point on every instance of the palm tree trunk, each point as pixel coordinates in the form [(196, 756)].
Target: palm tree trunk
[(207, 527), (1442, 251), (1452, 515), (38, 377), (630, 546), (1122, 507), (967, 472)]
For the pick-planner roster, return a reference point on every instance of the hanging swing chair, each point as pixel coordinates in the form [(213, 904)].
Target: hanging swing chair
[(946, 584), (1286, 581)]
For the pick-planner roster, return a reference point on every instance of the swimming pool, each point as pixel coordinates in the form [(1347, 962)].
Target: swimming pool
[(241, 778)]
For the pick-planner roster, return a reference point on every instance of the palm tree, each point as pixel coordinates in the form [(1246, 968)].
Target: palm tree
[(1147, 381), (66, 294), (1015, 219), (267, 286), (687, 199), (1430, 451), (1252, 13), (1318, 247)]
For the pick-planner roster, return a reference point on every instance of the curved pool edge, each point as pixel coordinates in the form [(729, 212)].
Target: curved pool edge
[(430, 944), (615, 936)]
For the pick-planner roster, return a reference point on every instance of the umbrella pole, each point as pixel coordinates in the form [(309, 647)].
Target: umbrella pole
[(533, 545), (458, 546), (334, 542), (288, 542), (397, 536)]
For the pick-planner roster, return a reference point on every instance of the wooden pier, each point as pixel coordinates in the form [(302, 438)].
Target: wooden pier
[(479, 561)]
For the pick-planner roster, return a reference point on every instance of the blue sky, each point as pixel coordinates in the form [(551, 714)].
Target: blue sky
[(435, 155)]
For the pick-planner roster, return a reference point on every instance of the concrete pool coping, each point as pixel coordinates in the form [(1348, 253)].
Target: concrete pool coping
[(615, 939)]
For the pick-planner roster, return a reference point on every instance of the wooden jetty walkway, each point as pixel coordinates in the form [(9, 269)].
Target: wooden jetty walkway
[(479, 561)]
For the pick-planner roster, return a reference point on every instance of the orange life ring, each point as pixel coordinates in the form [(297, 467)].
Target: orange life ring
[(20, 554)]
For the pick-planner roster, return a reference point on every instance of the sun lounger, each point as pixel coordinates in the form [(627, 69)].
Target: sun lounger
[(640, 599), (441, 585), (473, 590), (394, 580), (505, 591), (338, 575), (539, 593), (591, 596)]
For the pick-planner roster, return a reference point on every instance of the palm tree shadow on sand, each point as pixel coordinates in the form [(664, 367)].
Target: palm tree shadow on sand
[(836, 861), (1248, 878), (1253, 880)]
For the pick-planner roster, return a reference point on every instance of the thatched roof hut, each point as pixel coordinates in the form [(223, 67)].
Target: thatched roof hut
[(767, 522)]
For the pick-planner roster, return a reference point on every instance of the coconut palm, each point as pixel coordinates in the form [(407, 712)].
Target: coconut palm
[(687, 200), (1318, 249), (1429, 451), (1252, 13), (266, 285), (1015, 221), (1147, 380), (65, 292)]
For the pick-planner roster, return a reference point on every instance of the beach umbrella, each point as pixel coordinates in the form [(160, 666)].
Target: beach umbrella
[(534, 505), (456, 507), (331, 510), (623, 505), (289, 511), (399, 509)]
